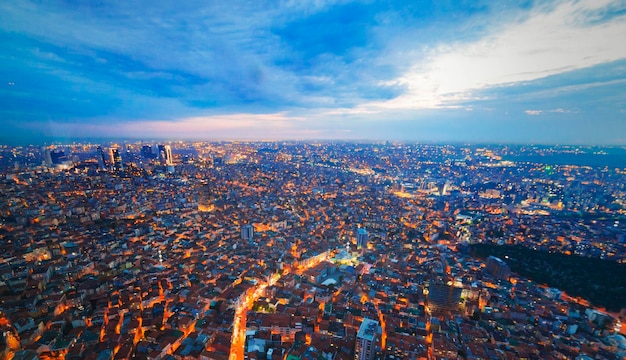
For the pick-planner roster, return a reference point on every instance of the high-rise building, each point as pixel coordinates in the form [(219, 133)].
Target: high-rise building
[(366, 340), (102, 162), (361, 238), (146, 152), (498, 268), (161, 152), (165, 155), (169, 159), (205, 197), (446, 189), (247, 232), (47, 156), (116, 159), (443, 298)]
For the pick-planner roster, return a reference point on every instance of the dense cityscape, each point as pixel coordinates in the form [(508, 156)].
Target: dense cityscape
[(313, 180), (311, 250)]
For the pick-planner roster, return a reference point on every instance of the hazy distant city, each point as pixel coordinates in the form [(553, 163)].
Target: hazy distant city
[(312, 250)]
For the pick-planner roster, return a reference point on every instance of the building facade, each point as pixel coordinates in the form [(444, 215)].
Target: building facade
[(498, 268), (361, 238), (247, 232), (366, 340)]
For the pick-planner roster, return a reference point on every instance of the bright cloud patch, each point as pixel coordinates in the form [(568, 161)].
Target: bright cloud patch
[(547, 42)]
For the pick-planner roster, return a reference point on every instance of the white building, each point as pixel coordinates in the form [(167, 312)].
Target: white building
[(366, 340)]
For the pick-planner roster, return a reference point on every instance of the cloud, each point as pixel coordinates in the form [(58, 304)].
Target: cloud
[(533, 112), (203, 54), (317, 68), (553, 111), (240, 126), (236, 126), (335, 31), (550, 40)]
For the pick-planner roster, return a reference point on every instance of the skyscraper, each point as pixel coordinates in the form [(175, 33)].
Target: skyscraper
[(169, 159), (116, 159), (165, 155), (366, 340), (47, 156), (161, 152), (247, 232), (361, 238), (446, 188), (146, 152), (498, 268), (205, 197), (102, 162)]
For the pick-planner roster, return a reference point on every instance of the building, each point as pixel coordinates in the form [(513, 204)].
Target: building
[(47, 156), (161, 152), (57, 157), (247, 232), (446, 189), (116, 159), (366, 340), (146, 152), (205, 197), (102, 162), (443, 298), (165, 155), (498, 268), (361, 238), (169, 159)]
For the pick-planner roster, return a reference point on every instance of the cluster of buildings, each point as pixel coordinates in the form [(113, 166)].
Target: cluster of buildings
[(297, 251), (426, 302)]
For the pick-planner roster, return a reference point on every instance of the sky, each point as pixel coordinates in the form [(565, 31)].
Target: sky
[(502, 71)]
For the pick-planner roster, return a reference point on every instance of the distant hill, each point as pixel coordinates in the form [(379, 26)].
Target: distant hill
[(602, 282)]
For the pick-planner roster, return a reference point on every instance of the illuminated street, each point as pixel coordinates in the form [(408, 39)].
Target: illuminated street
[(238, 341)]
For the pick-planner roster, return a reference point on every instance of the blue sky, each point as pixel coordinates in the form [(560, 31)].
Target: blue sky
[(469, 71)]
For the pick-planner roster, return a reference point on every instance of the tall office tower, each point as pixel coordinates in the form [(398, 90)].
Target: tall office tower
[(165, 155), (161, 152), (169, 159), (366, 340), (498, 268), (446, 188), (146, 152), (47, 157), (361, 238), (102, 162), (247, 232), (116, 159)]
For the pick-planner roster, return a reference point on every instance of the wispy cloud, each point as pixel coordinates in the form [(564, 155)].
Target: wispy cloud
[(553, 111), (321, 68), (533, 112), (245, 123), (549, 40)]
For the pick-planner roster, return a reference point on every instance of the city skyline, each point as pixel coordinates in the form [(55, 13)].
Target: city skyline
[(312, 250), (513, 72)]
